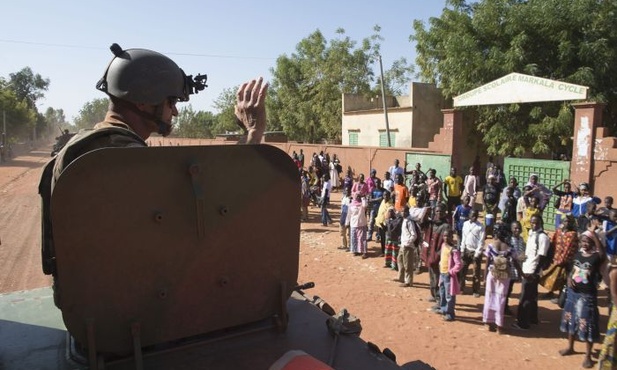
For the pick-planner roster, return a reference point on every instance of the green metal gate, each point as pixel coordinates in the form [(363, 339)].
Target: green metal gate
[(550, 173), (441, 163)]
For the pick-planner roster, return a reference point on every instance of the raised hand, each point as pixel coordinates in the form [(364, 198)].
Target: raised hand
[(251, 109)]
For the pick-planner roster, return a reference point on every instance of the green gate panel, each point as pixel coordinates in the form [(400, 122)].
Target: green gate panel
[(441, 163), (550, 173)]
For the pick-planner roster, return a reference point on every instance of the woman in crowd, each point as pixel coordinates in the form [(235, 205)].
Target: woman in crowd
[(500, 259), (565, 240), (580, 313), (334, 173), (563, 206)]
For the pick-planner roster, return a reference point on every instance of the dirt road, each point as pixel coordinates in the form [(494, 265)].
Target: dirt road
[(20, 229), (393, 317)]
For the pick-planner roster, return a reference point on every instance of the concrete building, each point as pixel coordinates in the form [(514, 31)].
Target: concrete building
[(414, 120)]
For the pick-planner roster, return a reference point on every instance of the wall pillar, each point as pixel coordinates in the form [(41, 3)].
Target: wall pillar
[(453, 136), (587, 117)]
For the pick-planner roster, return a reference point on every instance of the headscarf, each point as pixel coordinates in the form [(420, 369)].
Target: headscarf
[(594, 238), (418, 214)]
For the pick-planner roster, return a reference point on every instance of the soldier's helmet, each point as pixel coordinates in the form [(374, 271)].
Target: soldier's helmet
[(143, 76)]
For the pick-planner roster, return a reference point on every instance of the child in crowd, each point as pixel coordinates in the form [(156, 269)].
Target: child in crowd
[(610, 233), (461, 214), (517, 242), (343, 227), (449, 267), (521, 203), (413, 197), (530, 211), (356, 220), (604, 212), (393, 238), (583, 221), (508, 213)]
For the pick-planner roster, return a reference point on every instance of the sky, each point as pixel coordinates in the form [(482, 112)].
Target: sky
[(68, 42)]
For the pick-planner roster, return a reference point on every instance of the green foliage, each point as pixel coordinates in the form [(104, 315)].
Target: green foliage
[(91, 113), (17, 114), (307, 87), (28, 86), (193, 124), (55, 117), (226, 121), (472, 44)]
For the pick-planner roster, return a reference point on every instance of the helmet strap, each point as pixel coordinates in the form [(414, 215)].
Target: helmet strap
[(163, 128)]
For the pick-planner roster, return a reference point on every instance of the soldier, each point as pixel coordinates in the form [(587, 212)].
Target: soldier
[(143, 88)]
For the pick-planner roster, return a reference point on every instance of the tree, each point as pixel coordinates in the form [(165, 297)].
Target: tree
[(472, 44), (226, 120), (54, 121), (193, 124), (92, 113), (19, 117), (28, 86), (306, 101)]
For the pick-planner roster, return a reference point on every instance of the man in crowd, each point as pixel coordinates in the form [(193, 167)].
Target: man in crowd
[(396, 170), (433, 238), (539, 191), (472, 245), (491, 200), (388, 182), (433, 185), (536, 250), (401, 194), (370, 182), (374, 201), (452, 190)]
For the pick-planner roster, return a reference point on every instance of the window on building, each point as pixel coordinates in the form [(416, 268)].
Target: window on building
[(353, 138), (383, 138)]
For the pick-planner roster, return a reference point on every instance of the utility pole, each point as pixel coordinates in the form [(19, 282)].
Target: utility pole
[(3, 127), (383, 98)]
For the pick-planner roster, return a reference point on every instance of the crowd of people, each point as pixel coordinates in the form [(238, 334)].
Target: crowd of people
[(444, 227)]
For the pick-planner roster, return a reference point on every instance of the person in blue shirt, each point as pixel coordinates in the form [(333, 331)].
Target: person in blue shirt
[(610, 232), (460, 215), (581, 205)]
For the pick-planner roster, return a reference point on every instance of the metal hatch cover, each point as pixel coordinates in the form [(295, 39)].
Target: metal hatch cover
[(178, 240)]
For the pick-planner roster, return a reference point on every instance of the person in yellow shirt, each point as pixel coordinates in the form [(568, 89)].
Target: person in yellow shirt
[(452, 190), (380, 219), (413, 197), (531, 211)]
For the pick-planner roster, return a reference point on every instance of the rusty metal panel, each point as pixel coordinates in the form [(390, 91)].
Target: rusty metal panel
[(181, 240)]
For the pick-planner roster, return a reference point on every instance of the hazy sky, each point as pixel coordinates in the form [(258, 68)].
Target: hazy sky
[(231, 41)]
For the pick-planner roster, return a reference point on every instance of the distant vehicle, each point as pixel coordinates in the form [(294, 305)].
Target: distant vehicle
[(61, 142)]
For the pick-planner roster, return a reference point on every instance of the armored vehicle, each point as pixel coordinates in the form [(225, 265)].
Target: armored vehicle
[(165, 259), (61, 142)]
